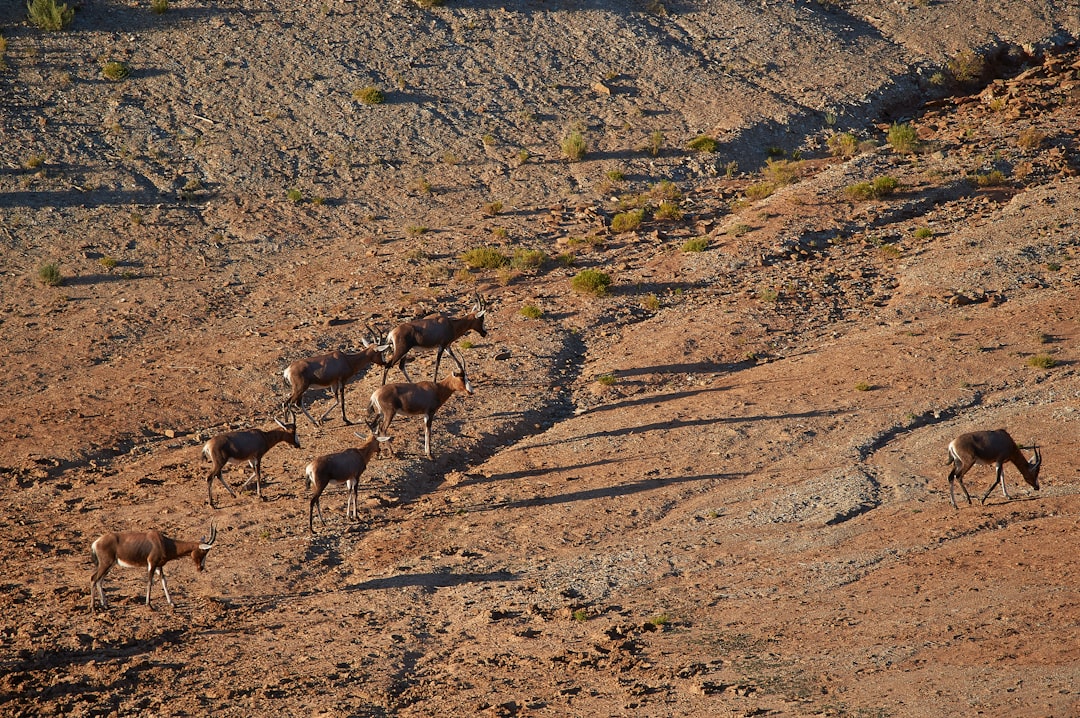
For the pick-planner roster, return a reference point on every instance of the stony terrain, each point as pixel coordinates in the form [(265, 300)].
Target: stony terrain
[(719, 489)]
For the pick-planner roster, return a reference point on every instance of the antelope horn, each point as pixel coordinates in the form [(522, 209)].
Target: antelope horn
[(206, 544)]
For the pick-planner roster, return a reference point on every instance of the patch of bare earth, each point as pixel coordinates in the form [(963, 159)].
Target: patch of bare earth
[(717, 490)]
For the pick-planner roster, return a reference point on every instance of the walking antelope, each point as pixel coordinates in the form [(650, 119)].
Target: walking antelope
[(343, 467), (144, 548), (990, 447), (331, 370), (423, 398), (432, 332), (237, 447)]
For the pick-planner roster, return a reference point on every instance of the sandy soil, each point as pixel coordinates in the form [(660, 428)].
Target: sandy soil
[(720, 489)]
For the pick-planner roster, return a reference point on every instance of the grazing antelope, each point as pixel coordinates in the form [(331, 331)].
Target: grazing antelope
[(331, 370), (432, 332), (343, 467), (237, 447), (990, 447), (423, 398), (144, 548)]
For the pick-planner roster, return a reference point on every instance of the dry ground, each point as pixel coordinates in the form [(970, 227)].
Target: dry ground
[(718, 490)]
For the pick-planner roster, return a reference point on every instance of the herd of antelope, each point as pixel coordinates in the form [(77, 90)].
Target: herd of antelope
[(153, 550)]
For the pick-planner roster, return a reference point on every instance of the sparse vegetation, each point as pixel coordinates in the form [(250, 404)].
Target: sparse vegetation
[(966, 67), (531, 311), (879, 188), (665, 190), (49, 274), (655, 143), (924, 233), (607, 379), (294, 195), (160, 7), (369, 95), (993, 178), (580, 615), (421, 185), (574, 146), (902, 138), (527, 259), (484, 258), (591, 281), (660, 620), (1030, 138), (668, 211), (108, 263), (415, 230), (493, 208), (428, 4), (651, 302), (761, 190), (863, 386), (842, 144), (1042, 361), (702, 143), (49, 15), (115, 71), (781, 172), (627, 221), (738, 230), (698, 244)]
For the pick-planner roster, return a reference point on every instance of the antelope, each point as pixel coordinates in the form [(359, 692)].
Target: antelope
[(990, 447), (423, 398), (144, 548), (432, 332), (343, 467), (329, 370), (237, 447)]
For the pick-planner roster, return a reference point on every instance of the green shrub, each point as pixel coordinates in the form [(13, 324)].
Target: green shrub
[(3, 49), (574, 147), (430, 3), (738, 230), (842, 144), (115, 71), (493, 208), (1030, 138), (530, 311), (49, 274), (863, 386), (591, 281), (702, 143), (760, 190), (627, 221), (902, 138), (924, 233), (993, 178), (415, 230), (48, 15), (484, 258), (781, 172), (655, 143), (607, 379), (665, 190), (369, 95), (651, 302), (108, 263), (615, 175), (966, 66), (668, 210), (698, 244), (159, 6), (295, 195), (1042, 361), (879, 188), (526, 259), (566, 259)]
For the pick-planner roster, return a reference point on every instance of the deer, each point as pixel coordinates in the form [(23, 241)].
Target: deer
[(990, 447), (343, 467), (433, 332), (237, 447), (423, 398), (331, 370), (151, 549)]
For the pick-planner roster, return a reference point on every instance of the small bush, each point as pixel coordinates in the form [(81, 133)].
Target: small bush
[(160, 7), (530, 311), (488, 140), (574, 147), (580, 615), (863, 386), (607, 379), (661, 620), (966, 67), (484, 258), (430, 3), (591, 281), (566, 259), (993, 178), (421, 185), (108, 263), (48, 15), (294, 195), (655, 143), (879, 188), (415, 230), (698, 244), (668, 211), (890, 251), (493, 208), (665, 190), (1030, 138), (902, 138), (924, 233), (738, 230), (369, 95), (527, 259), (615, 175), (702, 143), (781, 172), (651, 302), (768, 295), (1042, 361), (115, 71), (842, 144), (49, 274), (760, 190), (627, 221)]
